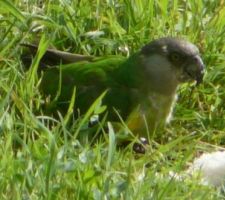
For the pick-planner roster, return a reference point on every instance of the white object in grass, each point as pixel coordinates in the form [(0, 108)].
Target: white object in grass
[(212, 168)]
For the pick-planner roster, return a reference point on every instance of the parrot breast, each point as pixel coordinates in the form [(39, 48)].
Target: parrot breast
[(151, 115)]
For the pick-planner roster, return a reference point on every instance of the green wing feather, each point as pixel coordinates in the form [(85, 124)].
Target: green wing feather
[(110, 73)]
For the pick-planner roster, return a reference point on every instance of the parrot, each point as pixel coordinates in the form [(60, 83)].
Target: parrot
[(141, 89)]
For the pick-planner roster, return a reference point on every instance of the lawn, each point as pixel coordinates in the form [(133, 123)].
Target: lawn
[(45, 157)]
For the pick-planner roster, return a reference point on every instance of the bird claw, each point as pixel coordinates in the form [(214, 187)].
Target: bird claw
[(140, 147)]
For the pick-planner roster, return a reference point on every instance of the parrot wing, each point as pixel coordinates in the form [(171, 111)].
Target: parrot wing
[(91, 79)]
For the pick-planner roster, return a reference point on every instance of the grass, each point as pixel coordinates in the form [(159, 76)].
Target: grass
[(41, 158)]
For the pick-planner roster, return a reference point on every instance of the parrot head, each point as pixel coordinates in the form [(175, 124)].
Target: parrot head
[(176, 60)]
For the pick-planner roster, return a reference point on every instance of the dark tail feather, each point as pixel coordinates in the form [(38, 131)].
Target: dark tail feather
[(52, 57)]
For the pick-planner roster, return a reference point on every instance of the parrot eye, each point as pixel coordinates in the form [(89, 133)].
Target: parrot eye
[(175, 57)]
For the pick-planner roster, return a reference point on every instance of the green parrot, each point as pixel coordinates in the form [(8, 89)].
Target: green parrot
[(141, 88)]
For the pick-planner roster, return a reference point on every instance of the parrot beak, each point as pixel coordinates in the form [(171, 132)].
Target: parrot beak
[(194, 69)]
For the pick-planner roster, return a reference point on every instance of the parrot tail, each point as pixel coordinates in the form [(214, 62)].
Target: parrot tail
[(52, 57)]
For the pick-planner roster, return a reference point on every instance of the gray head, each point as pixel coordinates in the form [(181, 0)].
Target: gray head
[(177, 56)]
